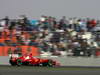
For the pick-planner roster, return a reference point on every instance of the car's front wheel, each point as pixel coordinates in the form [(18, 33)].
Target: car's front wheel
[(50, 63), (19, 62)]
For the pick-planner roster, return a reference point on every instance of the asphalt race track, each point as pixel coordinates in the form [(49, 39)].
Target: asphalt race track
[(30, 70)]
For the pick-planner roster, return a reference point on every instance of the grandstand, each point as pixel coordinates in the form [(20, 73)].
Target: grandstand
[(50, 37)]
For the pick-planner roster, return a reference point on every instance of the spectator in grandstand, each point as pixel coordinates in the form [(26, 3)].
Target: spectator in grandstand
[(51, 35), (91, 24)]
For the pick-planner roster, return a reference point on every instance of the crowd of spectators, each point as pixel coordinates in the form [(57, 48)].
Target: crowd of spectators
[(65, 36)]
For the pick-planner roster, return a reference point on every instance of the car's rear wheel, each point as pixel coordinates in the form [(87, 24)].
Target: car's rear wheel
[(48, 64), (29, 63), (12, 63)]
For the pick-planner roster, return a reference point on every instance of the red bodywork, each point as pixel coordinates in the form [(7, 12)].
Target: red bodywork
[(29, 60)]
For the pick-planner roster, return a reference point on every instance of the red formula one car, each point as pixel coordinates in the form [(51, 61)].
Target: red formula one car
[(33, 61)]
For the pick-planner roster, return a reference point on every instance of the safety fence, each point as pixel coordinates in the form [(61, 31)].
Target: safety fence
[(6, 50)]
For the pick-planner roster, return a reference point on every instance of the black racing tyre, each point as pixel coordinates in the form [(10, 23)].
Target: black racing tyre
[(19, 62), (44, 64), (12, 63), (29, 64), (50, 63), (47, 64)]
